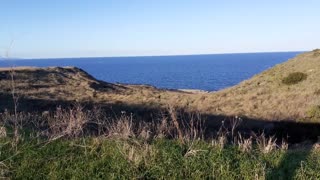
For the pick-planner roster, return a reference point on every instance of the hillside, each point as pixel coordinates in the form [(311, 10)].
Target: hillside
[(264, 96), (71, 84)]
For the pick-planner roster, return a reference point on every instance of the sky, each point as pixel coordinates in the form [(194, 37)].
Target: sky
[(101, 28)]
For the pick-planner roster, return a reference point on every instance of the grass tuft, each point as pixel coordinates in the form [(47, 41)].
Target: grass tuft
[(314, 113)]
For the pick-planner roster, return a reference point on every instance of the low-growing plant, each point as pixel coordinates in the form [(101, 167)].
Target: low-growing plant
[(68, 123), (314, 113), (294, 78), (266, 144), (317, 92)]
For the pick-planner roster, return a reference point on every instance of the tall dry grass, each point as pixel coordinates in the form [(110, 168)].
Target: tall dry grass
[(16, 120), (79, 122)]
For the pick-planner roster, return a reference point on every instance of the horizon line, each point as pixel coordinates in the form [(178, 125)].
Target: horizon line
[(142, 56)]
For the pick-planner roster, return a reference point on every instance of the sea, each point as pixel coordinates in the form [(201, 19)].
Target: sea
[(210, 72)]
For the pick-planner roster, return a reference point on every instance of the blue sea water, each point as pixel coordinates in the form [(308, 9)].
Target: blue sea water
[(206, 72)]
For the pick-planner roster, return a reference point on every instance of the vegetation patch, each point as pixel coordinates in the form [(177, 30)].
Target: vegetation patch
[(317, 92), (294, 78), (316, 52), (314, 113), (93, 158), (127, 148)]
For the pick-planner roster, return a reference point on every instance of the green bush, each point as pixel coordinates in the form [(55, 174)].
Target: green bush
[(294, 78)]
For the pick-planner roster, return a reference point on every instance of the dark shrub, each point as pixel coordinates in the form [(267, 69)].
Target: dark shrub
[(317, 92), (294, 78)]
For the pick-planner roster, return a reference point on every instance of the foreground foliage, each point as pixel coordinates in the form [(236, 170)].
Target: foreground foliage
[(101, 158), (77, 143)]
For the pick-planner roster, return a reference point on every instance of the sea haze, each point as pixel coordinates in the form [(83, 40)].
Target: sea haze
[(206, 72)]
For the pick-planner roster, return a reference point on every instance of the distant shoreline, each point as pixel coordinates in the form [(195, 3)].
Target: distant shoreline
[(194, 90), (146, 56)]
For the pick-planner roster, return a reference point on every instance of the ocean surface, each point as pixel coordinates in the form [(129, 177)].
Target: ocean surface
[(205, 72)]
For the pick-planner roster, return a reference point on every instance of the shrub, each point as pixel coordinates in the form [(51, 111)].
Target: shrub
[(314, 113), (317, 92), (294, 78)]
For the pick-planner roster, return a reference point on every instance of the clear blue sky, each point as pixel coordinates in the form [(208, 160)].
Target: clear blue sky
[(77, 28)]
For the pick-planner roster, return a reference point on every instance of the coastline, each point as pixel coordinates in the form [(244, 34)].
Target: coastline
[(194, 91)]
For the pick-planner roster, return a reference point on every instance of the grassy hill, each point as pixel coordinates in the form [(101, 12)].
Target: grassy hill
[(265, 96)]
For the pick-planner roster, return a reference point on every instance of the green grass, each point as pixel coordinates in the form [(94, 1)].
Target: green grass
[(97, 158)]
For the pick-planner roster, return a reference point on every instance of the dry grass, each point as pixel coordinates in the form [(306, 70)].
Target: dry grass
[(68, 123), (244, 144), (187, 128), (266, 144), (121, 127)]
